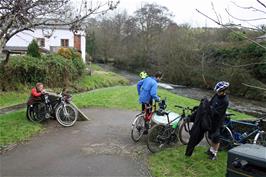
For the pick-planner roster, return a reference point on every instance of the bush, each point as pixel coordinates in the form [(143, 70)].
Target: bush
[(65, 52), (33, 49), (53, 70)]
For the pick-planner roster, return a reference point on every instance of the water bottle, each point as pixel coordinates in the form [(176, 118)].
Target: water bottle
[(174, 125)]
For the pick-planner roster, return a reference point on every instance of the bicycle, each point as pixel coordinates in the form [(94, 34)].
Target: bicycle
[(186, 124), (142, 122), (165, 130), (58, 107), (230, 137)]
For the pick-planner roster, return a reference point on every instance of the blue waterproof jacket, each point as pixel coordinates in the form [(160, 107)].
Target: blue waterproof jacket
[(147, 90)]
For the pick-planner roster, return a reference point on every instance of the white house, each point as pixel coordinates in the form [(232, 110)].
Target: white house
[(50, 39)]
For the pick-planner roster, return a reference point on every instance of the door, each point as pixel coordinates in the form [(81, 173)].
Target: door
[(77, 42)]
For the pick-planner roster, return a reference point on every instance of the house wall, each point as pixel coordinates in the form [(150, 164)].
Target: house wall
[(24, 38)]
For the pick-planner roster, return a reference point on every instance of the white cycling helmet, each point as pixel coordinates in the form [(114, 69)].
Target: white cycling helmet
[(220, 86)]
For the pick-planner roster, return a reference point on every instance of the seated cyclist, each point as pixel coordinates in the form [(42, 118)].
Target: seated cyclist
[(36, 93), (147, 90), (218, 104)]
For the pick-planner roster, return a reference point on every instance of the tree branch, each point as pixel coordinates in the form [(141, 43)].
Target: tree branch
[(261, 3), (244, 65), (254, 19), (252, 86), (228, 27)]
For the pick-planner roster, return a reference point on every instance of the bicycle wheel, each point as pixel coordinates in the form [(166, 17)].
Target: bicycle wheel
[(260, 139), (226, 139), (29, 113), (184, 132), (138, 128), (157, 138), (66, 115), (36, 112)]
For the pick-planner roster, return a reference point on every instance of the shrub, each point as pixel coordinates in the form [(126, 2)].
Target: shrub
[(65, 52), (53, 70), (33, 49)]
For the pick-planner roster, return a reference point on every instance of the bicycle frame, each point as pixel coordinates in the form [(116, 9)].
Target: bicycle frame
[(148, 114), (255, 132)]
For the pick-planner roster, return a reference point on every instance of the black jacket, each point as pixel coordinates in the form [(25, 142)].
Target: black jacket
[(218, 105), (202, 123), (202, 116)]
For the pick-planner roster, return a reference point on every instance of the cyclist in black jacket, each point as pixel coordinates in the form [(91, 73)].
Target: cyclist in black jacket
[(218, 104)]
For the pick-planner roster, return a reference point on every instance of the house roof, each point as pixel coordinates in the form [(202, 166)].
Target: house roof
[(19, 49)]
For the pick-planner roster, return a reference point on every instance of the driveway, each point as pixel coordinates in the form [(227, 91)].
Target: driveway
[(99, 147)]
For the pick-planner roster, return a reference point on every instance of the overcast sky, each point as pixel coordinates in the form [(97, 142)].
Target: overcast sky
[(184, 10)]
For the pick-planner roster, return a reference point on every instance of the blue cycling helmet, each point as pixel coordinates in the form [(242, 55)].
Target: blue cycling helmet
[(220, 86)]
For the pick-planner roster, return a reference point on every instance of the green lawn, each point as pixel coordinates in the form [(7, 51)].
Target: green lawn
[(125, 97), (173, 162), (15, 127), (96, 67), (100, 79), (13, 98)]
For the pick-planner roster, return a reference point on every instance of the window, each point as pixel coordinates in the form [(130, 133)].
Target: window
[(41, 42), (64, 42)]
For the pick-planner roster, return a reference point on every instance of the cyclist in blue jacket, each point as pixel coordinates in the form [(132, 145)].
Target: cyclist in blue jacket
[(147, 90)]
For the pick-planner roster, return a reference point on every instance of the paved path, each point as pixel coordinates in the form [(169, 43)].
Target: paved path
[(99, 147)]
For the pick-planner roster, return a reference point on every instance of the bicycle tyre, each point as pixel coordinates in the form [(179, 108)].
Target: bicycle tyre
[(138, 127), (29, 113), (184, 132), (36, 113), (226, 139), (66, 120), (154, 144), (261, 139)]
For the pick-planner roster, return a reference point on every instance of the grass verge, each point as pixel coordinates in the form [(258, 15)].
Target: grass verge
[(99, 79), (14, 127), (173, 162), (13, 98)]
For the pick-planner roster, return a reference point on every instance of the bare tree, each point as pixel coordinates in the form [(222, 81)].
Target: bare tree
[(218, 20), (20, 15), (151, 20)]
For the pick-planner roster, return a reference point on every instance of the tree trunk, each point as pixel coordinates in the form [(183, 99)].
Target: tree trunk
[(3, 42)]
